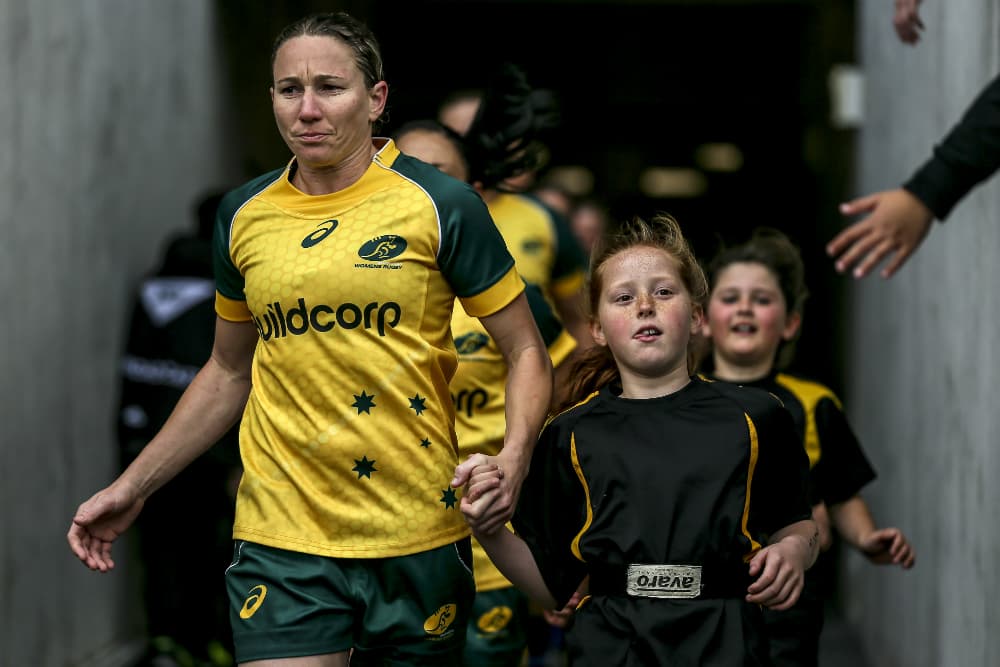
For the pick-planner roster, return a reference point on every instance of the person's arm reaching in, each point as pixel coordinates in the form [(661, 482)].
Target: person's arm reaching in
[(898, 220), (895, 226)]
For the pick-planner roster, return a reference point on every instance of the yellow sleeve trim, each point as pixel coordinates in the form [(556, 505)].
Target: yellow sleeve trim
[(494, 298), (562, 347), (809, 394), (568, 285), (232, 310)]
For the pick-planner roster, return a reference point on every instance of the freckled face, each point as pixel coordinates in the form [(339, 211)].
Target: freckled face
[(747, 316), (645, 316), (434, 149), (322, 108)]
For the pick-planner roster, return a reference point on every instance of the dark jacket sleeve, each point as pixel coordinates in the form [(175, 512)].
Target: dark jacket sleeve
[(169, 338), (138, 416), (968, 155)]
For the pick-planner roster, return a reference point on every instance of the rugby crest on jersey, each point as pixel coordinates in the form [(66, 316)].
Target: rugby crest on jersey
[(380, 250)]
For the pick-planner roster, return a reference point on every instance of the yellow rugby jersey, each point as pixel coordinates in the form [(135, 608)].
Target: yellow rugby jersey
[(543, 247), (478, 391), (348, 440)]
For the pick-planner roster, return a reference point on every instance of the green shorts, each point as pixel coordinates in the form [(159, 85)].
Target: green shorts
[(406, 610), (498, 634)]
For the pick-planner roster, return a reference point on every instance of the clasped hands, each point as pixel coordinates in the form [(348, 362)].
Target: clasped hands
[(491, 487)]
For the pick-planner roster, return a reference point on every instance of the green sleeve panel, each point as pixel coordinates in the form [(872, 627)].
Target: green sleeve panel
[(228, 280), (472, 256)]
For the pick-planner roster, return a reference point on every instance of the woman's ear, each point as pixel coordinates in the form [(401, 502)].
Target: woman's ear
[(377, 97)]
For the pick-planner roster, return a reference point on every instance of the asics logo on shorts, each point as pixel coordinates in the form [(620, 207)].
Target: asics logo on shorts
[(438, 622), (255, 599)]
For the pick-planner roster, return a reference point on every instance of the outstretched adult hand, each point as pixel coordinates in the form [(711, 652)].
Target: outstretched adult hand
[(98, 523), (896, 225), (906, 20)]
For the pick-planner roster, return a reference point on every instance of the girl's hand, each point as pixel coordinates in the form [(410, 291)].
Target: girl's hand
[(780, 573), (562, 618), (888, 546)]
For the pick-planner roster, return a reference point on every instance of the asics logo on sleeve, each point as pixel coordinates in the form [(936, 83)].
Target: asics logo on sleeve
[(280, 323), (323, 230)]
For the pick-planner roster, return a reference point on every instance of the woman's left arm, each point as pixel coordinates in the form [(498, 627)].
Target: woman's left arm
[(528, 396)]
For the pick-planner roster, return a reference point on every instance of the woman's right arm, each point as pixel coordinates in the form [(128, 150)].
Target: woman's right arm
[(210, 405)]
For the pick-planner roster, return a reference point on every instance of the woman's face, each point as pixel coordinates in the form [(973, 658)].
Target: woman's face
[(434, 149), (322, 107)]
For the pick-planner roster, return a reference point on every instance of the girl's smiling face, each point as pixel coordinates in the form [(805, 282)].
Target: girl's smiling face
[(747, 320)]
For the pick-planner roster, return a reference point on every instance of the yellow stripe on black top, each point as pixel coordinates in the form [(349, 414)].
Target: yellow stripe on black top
[(754, 545), (586, 492)]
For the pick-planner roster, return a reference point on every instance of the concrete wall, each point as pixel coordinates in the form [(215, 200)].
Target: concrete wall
[(923, 361), (114, 120)]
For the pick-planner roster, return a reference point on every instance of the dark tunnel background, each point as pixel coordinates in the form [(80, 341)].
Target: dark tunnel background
[(641, 84)]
